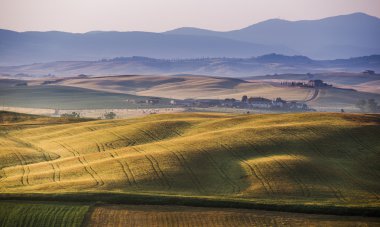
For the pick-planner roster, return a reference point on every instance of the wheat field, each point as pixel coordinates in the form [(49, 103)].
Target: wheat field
[(194, 216), (308, 158)]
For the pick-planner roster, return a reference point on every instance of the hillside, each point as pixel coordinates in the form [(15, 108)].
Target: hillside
[(65, 97), (193, 86), (311, 159), (219, 66), (130, 92)]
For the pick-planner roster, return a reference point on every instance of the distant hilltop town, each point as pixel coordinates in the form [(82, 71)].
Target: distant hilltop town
[(309, 84)]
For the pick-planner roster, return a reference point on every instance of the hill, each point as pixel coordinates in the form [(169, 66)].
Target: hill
[(359, 81), (65, 97), (205, 87), (335, 37), (230, 67), (92, 96), (306, 159)]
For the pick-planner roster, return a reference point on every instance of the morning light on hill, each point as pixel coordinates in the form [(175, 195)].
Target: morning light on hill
[(189, 113)]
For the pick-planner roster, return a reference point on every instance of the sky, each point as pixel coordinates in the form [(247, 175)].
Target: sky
[(162, 15)]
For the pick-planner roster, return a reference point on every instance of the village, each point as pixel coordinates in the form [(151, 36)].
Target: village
[(309, 84), (246, 102)]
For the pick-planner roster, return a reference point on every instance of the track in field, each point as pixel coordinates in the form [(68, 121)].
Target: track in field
[(270, 157)]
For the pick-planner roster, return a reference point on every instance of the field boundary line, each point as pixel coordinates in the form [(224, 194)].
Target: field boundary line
[(196, 201)]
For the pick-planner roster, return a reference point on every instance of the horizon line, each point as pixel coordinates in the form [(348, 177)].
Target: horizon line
[(188, 27)]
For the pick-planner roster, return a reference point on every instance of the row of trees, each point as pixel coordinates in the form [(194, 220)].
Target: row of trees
[(108, 115)]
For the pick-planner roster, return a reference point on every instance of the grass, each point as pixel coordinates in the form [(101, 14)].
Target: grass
[(344, 98), (190, 216), (28, 213), (191, 86), (310, 162), (40, 214), (63, 97)]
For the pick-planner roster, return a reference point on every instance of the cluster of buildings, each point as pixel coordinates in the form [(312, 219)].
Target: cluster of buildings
[(245, 103), (310, 84)]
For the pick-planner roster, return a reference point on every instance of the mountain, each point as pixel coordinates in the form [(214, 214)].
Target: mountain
[(334, 37), (31, 47), (230, 67), (330, 38)]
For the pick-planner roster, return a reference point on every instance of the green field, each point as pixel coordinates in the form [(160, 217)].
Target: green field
[(39, 214), (63, 97), (13, 214)]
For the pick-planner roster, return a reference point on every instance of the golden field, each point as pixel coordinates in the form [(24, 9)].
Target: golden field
[(309, 158), (64, 171), (194, 216)]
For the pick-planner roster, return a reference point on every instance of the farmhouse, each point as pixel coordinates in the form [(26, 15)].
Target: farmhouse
[(279, 103), (259, 102), (207, 102), (317, 83), (185, 102), (370, 72), (297, 106), (153, 100)]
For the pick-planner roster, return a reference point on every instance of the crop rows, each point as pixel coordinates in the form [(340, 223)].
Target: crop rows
[(260, 156), (29, 214), (185, 216)]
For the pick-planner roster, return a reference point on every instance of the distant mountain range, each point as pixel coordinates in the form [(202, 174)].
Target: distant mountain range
[(230, 67), (330, 38)]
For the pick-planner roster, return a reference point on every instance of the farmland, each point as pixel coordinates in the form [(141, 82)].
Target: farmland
[(295, 158), (40, 214), (206, 87), (191, 216), (130, 92), (63, 97), (320, 163), (81, 214)]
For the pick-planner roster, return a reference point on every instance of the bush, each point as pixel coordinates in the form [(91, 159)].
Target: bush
[(71, 115), (110, 115)]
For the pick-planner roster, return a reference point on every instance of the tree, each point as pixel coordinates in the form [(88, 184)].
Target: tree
[(71, 115), (110, 115), (250, 100), (244, 99)]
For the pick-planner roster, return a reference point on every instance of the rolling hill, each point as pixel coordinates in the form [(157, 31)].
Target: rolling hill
[(306, 159), (130, 92), (65, 97), (358, 81), (230, 67), (204, 87)]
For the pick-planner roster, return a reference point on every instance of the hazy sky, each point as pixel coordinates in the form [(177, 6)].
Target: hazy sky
[(162, 15)]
